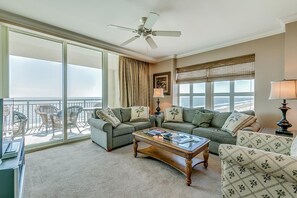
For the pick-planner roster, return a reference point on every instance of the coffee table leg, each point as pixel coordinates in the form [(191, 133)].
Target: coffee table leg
[(188, 170), (135, 147), (205, 156)]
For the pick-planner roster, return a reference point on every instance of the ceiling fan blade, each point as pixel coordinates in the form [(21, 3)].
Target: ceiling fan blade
[(151, 42), (122, 28), (166, 33), (151, 20), (130, 40)]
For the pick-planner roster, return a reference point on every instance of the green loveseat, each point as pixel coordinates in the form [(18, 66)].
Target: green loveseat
[(108, 137), (213, 132)]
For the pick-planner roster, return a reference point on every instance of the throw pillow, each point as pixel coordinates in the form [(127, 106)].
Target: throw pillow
[(202, 119), (173, 114), (249, 123), (293, 151), (235, 121), (108, 116), (139, 113)]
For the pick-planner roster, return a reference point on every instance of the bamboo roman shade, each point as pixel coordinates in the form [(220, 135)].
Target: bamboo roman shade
[(242, 67)]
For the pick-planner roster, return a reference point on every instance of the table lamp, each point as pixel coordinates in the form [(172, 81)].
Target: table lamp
[(158, 93), (285, 89)]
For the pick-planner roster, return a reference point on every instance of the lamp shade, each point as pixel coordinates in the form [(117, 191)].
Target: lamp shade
[(158, 93), (285, 89)]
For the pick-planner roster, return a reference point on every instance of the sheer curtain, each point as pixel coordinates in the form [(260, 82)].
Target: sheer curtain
[(134, 82)]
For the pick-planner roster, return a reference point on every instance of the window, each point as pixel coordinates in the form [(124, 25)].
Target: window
[(192, 95), (228, 84), (219, 95)]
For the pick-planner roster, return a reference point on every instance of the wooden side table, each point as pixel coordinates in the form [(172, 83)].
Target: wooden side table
[(272, 132)]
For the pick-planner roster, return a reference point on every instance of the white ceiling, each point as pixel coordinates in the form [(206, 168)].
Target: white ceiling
[(205, 24)]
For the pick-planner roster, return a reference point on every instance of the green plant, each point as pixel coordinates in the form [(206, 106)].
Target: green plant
[(174, 112), (139, 110)]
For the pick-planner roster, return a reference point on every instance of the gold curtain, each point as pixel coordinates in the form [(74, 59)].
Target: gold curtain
[(134, 82)]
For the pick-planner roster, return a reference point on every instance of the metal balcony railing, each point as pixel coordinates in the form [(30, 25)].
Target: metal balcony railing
[(27, 107)]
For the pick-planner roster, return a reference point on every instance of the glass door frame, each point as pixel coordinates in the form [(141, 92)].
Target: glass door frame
[(64, 42)]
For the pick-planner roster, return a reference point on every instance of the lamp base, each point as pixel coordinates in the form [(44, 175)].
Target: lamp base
[(282, 132)]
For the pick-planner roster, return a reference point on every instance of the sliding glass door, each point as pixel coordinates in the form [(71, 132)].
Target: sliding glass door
[(84, 88), (35, 69)]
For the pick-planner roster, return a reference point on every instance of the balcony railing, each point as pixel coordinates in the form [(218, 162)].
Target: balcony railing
[(27, 107)]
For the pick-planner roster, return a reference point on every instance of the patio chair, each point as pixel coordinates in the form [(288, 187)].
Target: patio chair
[(72, 115), (45, 111), (19, 124)]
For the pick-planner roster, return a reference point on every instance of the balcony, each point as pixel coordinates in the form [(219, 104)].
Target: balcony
[(33, 133)]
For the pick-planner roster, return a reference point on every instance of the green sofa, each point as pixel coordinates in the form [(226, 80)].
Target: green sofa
[(108, 137), (213, 132)]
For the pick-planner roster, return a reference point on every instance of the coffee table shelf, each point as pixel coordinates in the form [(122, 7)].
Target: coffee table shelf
[(171, 159), (180, 157)]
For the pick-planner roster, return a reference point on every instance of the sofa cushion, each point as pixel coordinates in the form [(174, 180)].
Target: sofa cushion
[(189, 114), (182, 127), (219, 119), (117, 113), (173, 114), (139, 125), (108, 116), (235, 121), (215, 134), (122, 129), (126, 114), (139, 114), (202, 119)]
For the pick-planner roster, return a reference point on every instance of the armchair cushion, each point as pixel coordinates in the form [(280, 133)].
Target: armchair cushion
[(139, 114), (266, 142), (239, 181), (275, 164), (108, 116)]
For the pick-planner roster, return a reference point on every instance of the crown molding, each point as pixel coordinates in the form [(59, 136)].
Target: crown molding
[(243, 40), (288, 19), (282, 21), (24, 22)]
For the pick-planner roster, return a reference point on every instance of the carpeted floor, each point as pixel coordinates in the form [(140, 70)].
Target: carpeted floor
[(85, 170)]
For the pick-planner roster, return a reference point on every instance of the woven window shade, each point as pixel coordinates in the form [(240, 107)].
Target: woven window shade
[(242, 67)]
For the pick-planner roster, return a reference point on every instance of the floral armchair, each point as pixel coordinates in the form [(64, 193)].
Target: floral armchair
[(259, 165)]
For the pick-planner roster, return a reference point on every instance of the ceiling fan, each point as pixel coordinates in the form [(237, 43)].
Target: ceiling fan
[(145, 30)]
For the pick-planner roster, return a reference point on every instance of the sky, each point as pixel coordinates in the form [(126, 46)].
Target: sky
[(35, 78)]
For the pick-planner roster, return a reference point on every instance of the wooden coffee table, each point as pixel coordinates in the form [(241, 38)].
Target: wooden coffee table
[(178, 155)]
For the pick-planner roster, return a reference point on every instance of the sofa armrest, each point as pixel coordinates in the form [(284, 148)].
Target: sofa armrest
[(256, 126), (265, 142), (160, 119), (152, 120), (100, 124), (274, 164)]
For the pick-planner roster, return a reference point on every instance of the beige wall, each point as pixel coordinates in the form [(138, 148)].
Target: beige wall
[(291, 66), (269, 53), (165, 66)]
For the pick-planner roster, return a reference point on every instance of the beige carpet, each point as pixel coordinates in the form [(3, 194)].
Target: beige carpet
[(85, 170)]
